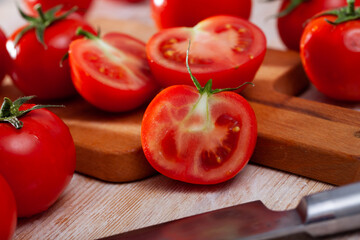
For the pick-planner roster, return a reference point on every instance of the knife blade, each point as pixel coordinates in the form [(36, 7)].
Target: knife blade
[(320, 214)]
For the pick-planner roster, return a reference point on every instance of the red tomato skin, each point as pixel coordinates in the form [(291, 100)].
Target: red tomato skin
[(83, 5), (291, 26), (330, 56), (36, 70), (102, 95), (38, 160), (179, 13), (4, 56), (8, 213), (180, 95), (230, 77)]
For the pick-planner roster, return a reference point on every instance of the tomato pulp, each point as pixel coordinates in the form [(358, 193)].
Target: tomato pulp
[(229, 50), (112, 73), (198, 138), (187, 13)]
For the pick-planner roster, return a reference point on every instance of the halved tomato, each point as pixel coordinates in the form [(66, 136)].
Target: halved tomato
[(198, 137), (111, 73), (227, 49)]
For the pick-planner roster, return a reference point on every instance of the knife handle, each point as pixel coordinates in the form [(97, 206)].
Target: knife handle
[(331, 211)]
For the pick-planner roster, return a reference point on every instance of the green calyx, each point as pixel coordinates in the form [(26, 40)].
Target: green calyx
[(344, 14), (9, 111), (208, 86), (40, 23)]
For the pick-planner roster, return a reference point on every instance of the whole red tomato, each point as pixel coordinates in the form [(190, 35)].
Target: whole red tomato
[(8, 214), (198, 135), (179, 13), (227, 49), (83, 5), (4, 56), (112, 73), (295, 13), (35, 67), (330, 54), (37, 156)]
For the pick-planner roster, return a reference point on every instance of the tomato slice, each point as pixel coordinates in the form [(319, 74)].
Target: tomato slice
[(112, 73), (198, 138), (227, 49)]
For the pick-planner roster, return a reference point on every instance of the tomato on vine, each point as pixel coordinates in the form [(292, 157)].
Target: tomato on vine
[(198, 135), (37, 154), (293, 15), (37, 49), (330, 52)]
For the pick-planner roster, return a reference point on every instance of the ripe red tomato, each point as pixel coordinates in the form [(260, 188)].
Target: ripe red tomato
[(227, 49), (4, 57), (331, 55), (35, 69), (83, 5), (37, 160), (291, 26), (180, 13), (8, 214), (198, 138), (112, 73)]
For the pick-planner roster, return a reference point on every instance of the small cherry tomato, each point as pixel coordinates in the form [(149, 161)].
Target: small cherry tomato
[(37, 155), (187, 13), (36, 56), (111, 73), (8, 213), (4, 56), (227, 49), (198, 135), (293, 15), (83, 5), (330, 53)]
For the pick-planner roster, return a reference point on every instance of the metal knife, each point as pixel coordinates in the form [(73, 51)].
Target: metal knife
[(320, 214)]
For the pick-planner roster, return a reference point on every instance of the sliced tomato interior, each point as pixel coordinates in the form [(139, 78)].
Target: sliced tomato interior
[(116, 61), (220, 43)]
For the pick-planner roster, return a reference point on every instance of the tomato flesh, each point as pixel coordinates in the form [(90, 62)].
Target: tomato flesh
[(203, 139), (112, 73), (226, 49)]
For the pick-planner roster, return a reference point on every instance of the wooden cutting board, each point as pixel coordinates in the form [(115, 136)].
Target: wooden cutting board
[(311, 139)]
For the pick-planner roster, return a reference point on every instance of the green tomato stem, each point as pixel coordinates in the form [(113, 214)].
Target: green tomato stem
[(10, 112), (208, 86), (88, 35)]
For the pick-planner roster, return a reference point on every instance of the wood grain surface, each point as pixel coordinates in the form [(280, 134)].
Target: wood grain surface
[(90, 209)]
